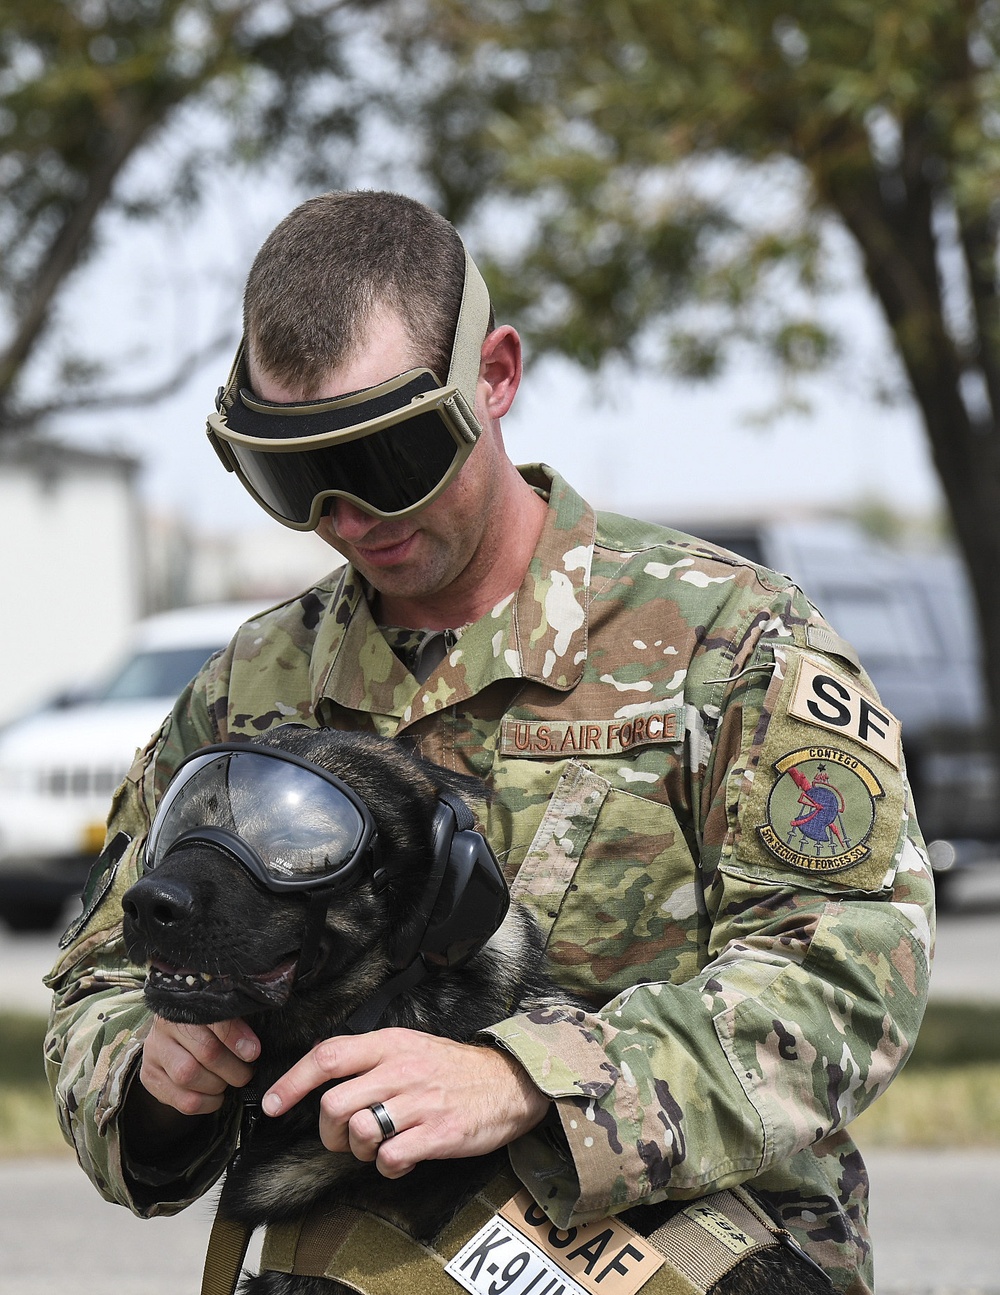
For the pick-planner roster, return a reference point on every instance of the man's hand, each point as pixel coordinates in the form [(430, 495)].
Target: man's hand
[(189, 1067), (447, 1100)]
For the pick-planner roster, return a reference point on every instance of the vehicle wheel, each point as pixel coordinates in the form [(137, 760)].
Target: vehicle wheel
[(33, 915)]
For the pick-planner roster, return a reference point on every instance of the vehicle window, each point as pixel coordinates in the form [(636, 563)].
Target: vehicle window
[(162, 673), (878, 622)]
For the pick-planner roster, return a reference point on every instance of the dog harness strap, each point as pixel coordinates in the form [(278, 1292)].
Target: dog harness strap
[(372, 1256), (709, 1237), (700, 1244), (228, 1243), (315, 923)]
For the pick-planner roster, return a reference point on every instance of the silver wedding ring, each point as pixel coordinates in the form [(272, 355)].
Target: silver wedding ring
[(384, 1120)]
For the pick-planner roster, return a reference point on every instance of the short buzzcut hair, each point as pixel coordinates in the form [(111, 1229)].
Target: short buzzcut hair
[(324, 270)]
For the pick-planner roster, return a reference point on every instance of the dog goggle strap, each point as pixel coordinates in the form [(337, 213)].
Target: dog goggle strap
[(391, 449), (291, 823)]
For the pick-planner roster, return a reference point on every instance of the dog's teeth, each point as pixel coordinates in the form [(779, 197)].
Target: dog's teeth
[(206, 977), (191, 980)]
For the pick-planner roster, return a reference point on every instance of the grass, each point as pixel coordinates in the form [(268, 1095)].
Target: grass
[(957, 1034), (28, 1124), (944, 1106), (947, 1096)]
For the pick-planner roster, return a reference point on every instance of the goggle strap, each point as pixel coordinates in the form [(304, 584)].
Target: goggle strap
[(463, 418), (226, 396), (370, 1012), (315, 924), (470, 330)]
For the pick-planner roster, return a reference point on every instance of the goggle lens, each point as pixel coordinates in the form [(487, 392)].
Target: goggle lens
[(299, 825), (392, 470)]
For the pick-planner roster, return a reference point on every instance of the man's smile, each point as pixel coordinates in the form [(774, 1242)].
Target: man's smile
[(386, 554)]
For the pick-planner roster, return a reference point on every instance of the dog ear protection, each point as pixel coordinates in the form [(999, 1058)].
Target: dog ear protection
[(463, 903), (465, 899)]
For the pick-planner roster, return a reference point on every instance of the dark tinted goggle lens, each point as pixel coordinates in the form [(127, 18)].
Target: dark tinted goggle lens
[(293, 824), (392, 469)]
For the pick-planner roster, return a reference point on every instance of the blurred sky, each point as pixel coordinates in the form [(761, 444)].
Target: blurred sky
[(649, 445)]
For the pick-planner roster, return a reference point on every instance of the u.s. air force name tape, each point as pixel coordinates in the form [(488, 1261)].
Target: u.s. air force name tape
[(545, 739)]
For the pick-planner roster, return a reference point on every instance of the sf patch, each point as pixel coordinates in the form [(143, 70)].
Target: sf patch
[(822, 799), (821, 809), (825, 698)]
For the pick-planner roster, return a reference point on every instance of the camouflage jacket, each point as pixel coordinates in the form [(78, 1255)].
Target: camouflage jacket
[(699, 794)]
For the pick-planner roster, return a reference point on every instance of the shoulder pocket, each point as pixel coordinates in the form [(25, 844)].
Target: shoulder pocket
[(99, 882), (822, 801)]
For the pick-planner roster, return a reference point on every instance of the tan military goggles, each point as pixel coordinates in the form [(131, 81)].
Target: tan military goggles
[(390, 449)]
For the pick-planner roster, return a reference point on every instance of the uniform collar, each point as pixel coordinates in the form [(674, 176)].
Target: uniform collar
[(537, 634)]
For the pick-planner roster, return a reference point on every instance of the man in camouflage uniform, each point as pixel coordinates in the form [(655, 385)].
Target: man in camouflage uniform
[(695, 788)]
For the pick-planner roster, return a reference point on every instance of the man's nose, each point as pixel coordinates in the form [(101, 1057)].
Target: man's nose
[(348, 521)]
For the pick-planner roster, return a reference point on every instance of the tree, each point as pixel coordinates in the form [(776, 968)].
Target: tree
[(679, 164), (87, 85)]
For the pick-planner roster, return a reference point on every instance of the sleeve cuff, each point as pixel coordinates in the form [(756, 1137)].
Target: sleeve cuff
[(563, 1051)]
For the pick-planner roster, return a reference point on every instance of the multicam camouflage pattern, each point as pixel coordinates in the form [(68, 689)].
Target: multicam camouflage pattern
[(631, 707)]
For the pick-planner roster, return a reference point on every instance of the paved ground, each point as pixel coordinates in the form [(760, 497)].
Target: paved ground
[(57, 1237)]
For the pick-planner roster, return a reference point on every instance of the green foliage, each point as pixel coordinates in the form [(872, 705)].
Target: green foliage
[(610, 122), (682, 177), (87, 86)]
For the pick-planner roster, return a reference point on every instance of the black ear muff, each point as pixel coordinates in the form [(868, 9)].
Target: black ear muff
[(466, 896)]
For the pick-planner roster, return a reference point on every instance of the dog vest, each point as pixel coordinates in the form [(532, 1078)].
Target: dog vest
[(500, 1241)]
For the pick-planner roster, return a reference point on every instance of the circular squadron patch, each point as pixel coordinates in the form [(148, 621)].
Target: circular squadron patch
[(821, 810)]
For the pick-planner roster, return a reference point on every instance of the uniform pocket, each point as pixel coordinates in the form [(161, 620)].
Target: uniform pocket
[(551, 860), (611, 878)]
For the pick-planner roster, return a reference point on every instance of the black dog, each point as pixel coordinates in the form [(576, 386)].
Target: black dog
[(221, 944)]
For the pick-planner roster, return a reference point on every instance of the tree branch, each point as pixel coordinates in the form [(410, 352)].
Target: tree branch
[(22, 418), (65, 251)]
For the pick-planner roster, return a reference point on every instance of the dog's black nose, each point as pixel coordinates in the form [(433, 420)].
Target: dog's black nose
[(156, 904)]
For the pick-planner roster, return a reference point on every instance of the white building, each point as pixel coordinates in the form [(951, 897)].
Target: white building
[(71, 567)]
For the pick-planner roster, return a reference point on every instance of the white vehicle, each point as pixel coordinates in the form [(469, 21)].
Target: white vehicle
[(60, 765)]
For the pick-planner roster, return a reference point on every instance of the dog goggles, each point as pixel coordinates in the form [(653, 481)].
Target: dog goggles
[(390, 449), (291, 823)]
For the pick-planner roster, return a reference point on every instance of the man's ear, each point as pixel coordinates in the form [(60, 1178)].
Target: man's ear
[(500, 370)]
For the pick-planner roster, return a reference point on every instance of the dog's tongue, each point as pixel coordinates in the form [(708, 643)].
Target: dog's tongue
[(273, 987)]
